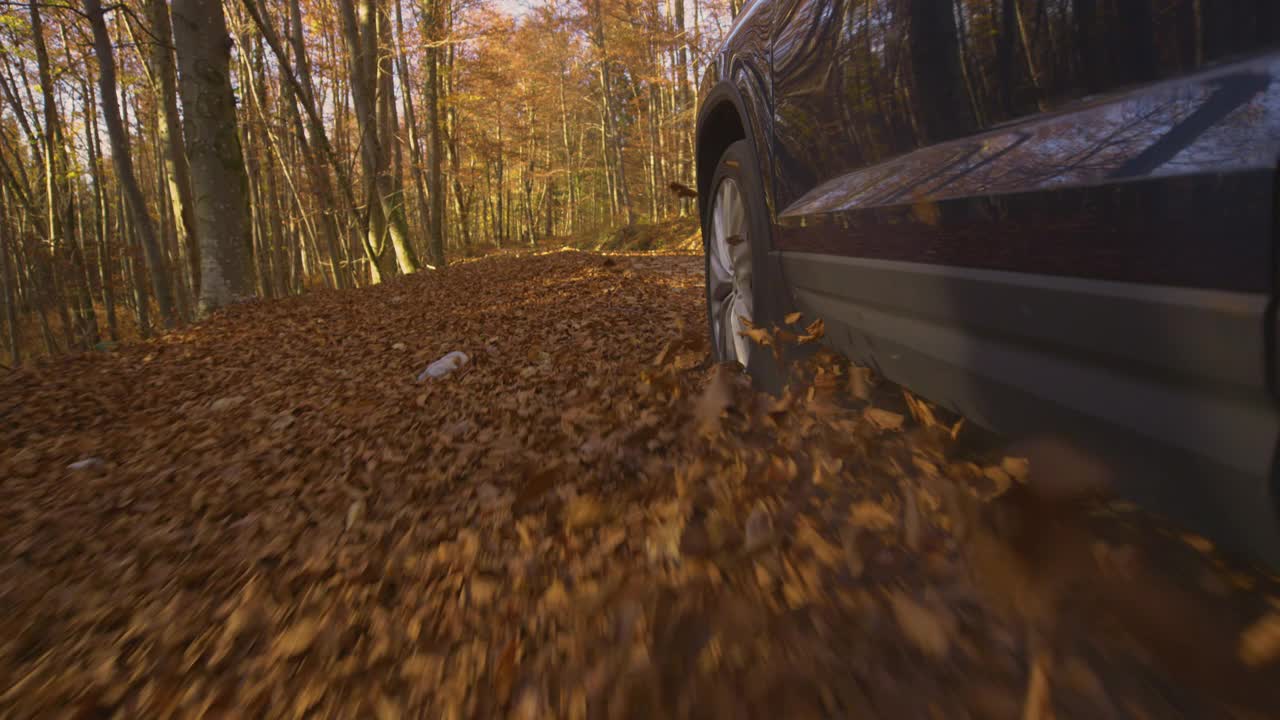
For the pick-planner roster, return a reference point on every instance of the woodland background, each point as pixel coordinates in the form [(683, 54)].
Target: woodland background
[(159, 160)]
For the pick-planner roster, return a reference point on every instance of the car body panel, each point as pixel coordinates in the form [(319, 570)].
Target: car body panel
[(1170, 184), (1054, 218)]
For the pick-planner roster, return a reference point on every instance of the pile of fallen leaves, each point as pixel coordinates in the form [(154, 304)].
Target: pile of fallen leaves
[(268, 515)]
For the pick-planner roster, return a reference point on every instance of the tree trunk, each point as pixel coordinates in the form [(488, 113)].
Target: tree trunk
[(305, 92), (102, 227), (60, 197), (176, 168), (361, 30), (451, 144), (10, 297), (435, 188), (218, 178), (935, 64), (611, 121), (123, 162), (411, 124)]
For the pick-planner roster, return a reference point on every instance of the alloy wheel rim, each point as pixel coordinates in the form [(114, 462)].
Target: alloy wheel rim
[(729, 273)]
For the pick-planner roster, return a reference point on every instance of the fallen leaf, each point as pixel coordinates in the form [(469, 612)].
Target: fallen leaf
[(297, 639), (998, 477), (1200, 544), (556, 597), (226, 403), (872, 516), (923, 627), (1260, 642), (715, 398), (611, 539), (422, 667), (483, 591), (825, 552), (884, 419), (759, 530), (387, 709), (355, 513), (860, 383), (1018, 468), (582, 511)]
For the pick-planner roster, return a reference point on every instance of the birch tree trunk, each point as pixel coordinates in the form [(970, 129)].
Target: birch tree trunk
[(219, 183)]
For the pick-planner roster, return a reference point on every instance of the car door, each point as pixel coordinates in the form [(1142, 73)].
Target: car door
[(1054, 216)]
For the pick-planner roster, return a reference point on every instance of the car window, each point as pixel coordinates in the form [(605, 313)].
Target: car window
[(857, 82)]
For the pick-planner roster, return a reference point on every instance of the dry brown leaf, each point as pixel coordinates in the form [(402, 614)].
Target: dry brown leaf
[(759, 335), (355, 514), (483, 590), (556, 597), (715, 398), (386, 708), (1017, 468), (1197, 542), (813, 333), (860, 383), (920, 411), (884, 419), (226, 403), (926, 629), (872, 516), (825, 552), (998, 477), (422, 667), (1260, 642), (583, 511), (759, 530), (297, 639), (611, 539), (912, 522)]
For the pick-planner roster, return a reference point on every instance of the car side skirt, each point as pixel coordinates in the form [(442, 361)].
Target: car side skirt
[(1166, 385)]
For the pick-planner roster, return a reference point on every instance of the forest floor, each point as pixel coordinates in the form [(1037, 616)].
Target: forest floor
[(267, 515)]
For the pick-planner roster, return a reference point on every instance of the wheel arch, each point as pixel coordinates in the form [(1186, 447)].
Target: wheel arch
[(722, 121)]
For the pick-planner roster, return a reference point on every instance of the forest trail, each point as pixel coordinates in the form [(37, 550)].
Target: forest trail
[(266, 515)]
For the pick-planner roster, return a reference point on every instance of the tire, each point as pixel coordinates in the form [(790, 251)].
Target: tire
[(763, 291)]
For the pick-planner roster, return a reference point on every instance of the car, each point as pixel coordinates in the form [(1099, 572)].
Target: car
[(1054, 217)]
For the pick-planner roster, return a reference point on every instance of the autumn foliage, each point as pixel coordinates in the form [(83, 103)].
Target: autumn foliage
[(373, 137)]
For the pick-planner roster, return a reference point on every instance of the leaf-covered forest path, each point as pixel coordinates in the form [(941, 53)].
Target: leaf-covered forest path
[(266, 515)]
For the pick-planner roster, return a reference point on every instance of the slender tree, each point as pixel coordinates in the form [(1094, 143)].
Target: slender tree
[(122, 159)]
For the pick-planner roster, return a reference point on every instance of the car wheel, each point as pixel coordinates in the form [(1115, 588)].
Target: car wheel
[(743, 280)]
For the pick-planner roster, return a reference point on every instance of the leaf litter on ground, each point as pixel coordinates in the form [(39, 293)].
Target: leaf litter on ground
[(594, 520)]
